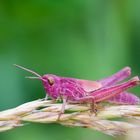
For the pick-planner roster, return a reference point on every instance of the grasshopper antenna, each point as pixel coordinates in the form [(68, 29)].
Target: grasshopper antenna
[(31, 77), (36, 74)]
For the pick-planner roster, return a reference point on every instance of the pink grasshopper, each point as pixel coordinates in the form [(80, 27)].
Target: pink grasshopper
[(77, 90)]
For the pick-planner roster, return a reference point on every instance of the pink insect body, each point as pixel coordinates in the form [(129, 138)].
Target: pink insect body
[(77, 90)]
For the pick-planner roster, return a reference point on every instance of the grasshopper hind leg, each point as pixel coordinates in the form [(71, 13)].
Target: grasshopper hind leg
[(93, 106)]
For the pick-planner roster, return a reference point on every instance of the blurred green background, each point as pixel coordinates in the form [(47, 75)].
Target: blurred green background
[(87, 39)]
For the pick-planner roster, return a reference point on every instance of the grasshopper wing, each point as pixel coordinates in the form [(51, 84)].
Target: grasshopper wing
[(88, 85)]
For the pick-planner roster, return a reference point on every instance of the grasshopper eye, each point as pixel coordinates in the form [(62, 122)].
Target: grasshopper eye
[(50, 81)]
